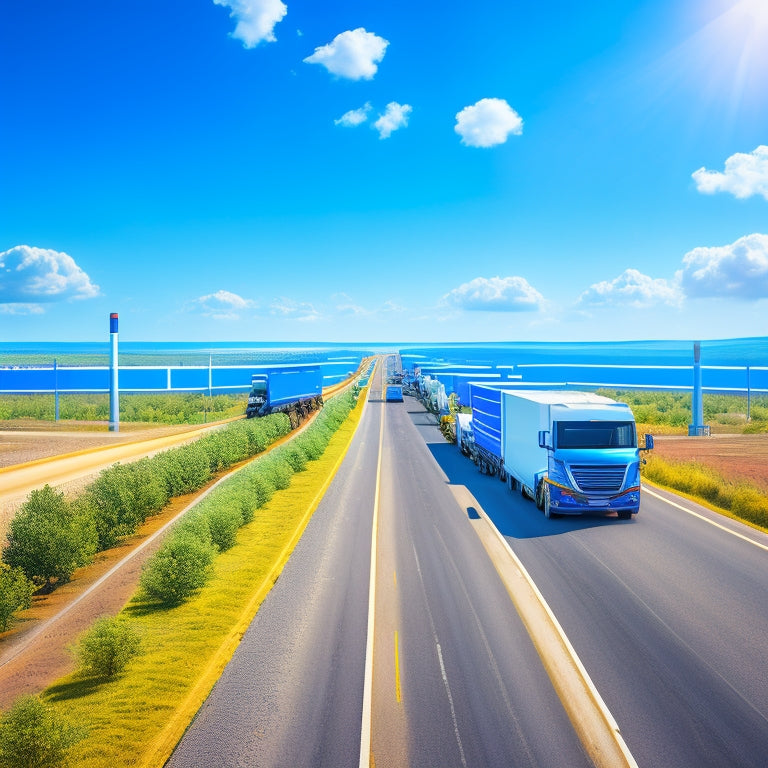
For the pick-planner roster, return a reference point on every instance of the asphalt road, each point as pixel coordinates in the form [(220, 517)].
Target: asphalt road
[(460, 684), (668, 613)]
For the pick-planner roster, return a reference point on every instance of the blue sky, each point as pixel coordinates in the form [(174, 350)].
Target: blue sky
[(383, 170)]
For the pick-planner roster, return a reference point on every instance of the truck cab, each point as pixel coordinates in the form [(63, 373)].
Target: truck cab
[(592, 465), (258, 397)]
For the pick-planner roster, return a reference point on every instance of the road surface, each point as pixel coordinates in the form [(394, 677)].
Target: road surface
[(667, 612)]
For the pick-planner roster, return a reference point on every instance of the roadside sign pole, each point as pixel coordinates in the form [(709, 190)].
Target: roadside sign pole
[(114, 404)]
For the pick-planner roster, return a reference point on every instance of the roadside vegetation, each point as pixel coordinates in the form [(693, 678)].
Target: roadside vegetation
[(143, 674), (670, 412), (741, 500), (51, 536), (176, 408)]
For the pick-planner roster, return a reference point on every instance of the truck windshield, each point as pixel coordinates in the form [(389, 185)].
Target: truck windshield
[(596, 434), (259, 388)]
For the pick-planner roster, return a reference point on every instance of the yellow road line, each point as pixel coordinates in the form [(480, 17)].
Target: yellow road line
[(398, 692)]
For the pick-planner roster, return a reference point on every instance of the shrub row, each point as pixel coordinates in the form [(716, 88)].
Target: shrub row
[(177, 408), (184, 562), (742, 500), (50, 536)]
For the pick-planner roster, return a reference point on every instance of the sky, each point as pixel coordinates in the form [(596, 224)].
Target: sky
[(383, 170)]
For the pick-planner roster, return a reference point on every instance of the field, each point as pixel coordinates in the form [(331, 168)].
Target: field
[(736, 457)]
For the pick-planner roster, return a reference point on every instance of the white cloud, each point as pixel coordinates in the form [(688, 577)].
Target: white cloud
[(395, 117), (41, 275), (256, 19), (294, 310), (354, 117), (631, 289), (21, 309), (353, 54), (223, 305), (496, 294), (487, 123), (745, 175), (739, 270)]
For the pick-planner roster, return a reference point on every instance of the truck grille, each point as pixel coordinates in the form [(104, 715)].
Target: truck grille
[(599, 477)]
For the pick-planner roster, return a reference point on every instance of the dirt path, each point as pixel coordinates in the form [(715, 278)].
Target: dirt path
[(47, 458), (36, 651)]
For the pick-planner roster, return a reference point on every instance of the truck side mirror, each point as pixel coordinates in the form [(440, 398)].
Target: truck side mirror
[(543, 438), (648, 443)]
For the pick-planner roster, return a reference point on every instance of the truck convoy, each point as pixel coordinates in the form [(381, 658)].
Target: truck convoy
[(572, 452), (296, 390)]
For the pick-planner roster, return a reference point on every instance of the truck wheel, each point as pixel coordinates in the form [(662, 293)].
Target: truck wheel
[(547, 504), (625, 514), (502, 475)]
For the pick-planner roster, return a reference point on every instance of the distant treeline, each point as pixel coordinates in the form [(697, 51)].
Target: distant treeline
[(673, 409), (176, 408)]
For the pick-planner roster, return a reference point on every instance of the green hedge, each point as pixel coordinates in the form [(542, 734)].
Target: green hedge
[(183, 563)]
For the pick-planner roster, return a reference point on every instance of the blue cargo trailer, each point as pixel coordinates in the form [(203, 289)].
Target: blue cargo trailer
[(572, 452), (296, 390)]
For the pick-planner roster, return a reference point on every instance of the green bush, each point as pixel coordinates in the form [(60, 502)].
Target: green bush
[(184, 469), (33, 736), (15, 594), (105, 650), (295, 456), (179, 568), (123, 496), (224, 520), (47, 540)]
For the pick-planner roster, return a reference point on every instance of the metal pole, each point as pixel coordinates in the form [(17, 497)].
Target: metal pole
[(749, 395), (114, 403), (697, 402), (55, 391)]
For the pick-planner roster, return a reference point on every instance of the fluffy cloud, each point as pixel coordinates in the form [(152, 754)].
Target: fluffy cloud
[(33, 275), (739, 270), (496, 294), (487, 123), (745, 175), (256, 19), (631, 289), (395, 117), (223, 305), (354, 117), (353, 54), (294, 310)]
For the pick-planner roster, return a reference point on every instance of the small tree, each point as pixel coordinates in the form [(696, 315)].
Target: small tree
[(33, 736), (107, 647), (179, 568), (46, 540), (15, 594)]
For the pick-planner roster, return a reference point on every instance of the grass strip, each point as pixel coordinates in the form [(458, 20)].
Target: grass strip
[(741, 501), (137, 718)]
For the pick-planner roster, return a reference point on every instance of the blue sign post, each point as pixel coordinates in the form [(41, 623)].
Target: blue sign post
[(114, 400)]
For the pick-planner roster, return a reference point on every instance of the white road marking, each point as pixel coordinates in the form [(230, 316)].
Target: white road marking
[(704, 518)]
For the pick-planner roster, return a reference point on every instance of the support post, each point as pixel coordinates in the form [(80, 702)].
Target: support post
[(55, 391), (114, 401), (697, 428)]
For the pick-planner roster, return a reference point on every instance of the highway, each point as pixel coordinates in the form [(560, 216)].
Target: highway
[(668, 614)]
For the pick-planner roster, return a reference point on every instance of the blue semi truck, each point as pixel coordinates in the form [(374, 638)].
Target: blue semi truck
[(296, 390), (572, 452)]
